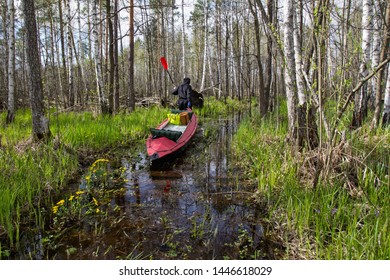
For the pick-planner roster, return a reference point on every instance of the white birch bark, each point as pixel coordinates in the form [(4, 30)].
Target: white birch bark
[(98, 60), (70, 55), (360, 109), (298, 59), (205, 44), (290, 74), (11, 60), (376, 42), (386, 105), (183, 31), (366, 35)]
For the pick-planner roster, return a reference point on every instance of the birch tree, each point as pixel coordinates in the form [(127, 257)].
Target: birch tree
[(131, 59), (263, 97), (40, 124), (116, 57), (110, 57), (360, 109), (386, 107), (98, 61), (384, 56), (71, 92), (11, 61), (307, 128), (63, 56), (183, 48), (205, 15), (290, 72), (376, 45)]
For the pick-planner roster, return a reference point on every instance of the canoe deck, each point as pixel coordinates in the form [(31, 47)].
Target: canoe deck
[(175, 127)]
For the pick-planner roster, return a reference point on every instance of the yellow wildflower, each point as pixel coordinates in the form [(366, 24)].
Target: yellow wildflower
[(61, 202), (55, 209), (71, 197), (95, 201), (97, 210), (79, 192), (99, 160), (88, 178)]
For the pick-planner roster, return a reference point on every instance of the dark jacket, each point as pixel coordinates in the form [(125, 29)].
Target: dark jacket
[(184, 91)]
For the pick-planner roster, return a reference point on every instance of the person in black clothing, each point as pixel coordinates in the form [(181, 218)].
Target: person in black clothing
[(184, 91)]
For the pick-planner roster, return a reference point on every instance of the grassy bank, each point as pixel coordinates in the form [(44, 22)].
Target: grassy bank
[(345, 216), (31, 174)]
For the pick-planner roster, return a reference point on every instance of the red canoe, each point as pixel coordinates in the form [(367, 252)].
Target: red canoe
[(168, 138)]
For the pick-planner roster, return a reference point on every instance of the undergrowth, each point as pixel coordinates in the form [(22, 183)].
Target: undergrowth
[(345, 215)]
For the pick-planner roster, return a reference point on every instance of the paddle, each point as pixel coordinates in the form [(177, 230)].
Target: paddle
[(164, 63)]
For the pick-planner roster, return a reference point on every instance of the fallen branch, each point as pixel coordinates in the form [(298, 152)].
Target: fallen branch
[(210, 87)]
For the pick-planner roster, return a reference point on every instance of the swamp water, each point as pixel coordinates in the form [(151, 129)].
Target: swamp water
[(195, 206)]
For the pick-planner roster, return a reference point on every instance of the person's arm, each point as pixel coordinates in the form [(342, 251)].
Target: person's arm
[(174, 91)]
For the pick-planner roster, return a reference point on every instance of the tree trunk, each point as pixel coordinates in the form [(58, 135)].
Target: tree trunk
[(361, 99), (183, 32), (290, 73), (131, 59), (205, 14), (11, 61), (227, 80), (267, 86), (71, 92), (307, 127), (386, 107), (116, 59), (63, 56), (384, 55), (263, 96), (111, 58), (376, 47), (98, 62), (40, 124)]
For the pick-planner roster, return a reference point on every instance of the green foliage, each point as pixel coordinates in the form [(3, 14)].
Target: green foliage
[(327, 222), (32, 172), (213, 107), (83, 130), (27, 176), (100, 184)]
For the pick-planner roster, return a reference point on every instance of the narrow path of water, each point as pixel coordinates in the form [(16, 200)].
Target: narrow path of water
[(197, 205)]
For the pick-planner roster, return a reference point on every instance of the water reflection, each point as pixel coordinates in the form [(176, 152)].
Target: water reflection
[(195, 201)]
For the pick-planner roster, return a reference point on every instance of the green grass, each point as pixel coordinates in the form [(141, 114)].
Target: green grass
[(326, 222), (213, 107), (31, 174)]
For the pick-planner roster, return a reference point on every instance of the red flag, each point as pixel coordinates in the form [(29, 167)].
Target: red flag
[(164, 63)]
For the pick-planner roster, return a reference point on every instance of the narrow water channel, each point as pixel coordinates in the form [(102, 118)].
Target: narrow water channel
[(197, 205)]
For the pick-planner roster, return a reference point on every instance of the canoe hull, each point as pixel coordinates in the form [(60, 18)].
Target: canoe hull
[(161, 147)]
